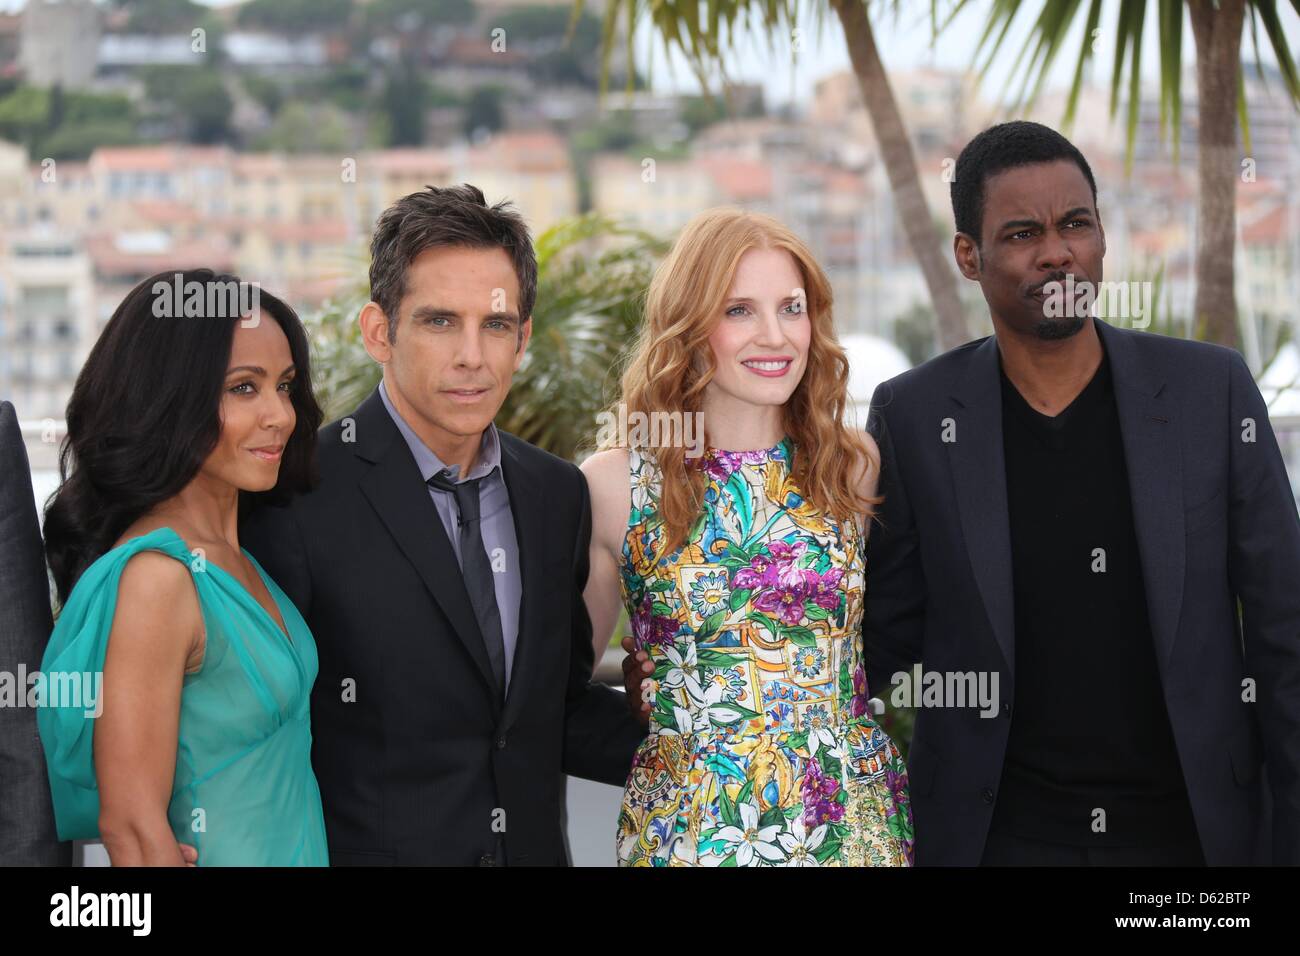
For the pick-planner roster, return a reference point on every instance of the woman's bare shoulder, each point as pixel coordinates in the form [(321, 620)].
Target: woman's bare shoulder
[(156, 595), (610, 485)]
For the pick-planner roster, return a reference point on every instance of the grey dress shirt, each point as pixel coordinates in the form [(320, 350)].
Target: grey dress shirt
[(496, 523)]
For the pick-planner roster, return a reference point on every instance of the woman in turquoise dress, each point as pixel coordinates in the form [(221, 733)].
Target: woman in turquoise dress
[(190, 739), (739, 557)]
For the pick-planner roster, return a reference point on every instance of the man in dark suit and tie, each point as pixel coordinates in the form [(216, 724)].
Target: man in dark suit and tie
[(1101, 517), (440, 564)]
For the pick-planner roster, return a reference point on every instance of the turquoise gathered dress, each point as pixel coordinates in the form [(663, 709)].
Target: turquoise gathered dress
[(244, 793)]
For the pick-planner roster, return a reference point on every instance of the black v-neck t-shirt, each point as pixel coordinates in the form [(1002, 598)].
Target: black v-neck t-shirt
[(1091, 758)]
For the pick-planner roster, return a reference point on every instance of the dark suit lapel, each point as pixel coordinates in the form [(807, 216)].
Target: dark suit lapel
[(526, 507), (1148, 421), (400, 497), (979, 478)]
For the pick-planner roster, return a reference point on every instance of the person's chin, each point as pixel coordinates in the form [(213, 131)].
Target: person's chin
[(469, 420), (258, 482), (1053, 330)]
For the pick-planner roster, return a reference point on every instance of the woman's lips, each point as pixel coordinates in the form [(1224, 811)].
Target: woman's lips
[(772, 368)]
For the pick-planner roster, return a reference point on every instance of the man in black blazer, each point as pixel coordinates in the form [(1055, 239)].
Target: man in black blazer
[(1100, 519), (440, 564), (27, 835)]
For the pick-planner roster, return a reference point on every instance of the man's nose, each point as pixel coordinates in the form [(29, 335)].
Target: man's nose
[(469, 348), (1055, 252)]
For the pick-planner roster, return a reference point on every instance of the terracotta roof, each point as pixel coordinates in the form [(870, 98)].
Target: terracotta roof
[(324, 230), (1270, 228), (467, 49), (413, 161), (256, 164), (739, 179), (522, 151), (135, 157), (164, 211)]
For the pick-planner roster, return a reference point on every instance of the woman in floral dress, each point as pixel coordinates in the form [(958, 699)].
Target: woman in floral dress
[(740, 562)]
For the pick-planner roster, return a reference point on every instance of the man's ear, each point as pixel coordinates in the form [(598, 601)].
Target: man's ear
[(374, 332), (1101, 229), (967, 253)]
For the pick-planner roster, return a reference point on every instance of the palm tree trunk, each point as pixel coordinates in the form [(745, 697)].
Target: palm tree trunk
[(1218, 67), (900, 165)]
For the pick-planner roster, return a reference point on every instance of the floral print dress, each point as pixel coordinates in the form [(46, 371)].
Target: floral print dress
[(762, 749)]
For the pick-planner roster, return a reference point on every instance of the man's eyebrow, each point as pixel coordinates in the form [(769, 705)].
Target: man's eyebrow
[(1019, 224), (1035, 224), (1075, 213), (434, 312)]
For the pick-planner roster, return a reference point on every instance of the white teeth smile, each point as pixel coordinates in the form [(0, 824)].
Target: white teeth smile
[(767, 366)]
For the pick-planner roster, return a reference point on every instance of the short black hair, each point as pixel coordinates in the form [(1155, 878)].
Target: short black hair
[(1001, 147), (446, 216)]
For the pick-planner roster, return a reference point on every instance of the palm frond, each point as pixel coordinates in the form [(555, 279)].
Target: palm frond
[(1054, 22)]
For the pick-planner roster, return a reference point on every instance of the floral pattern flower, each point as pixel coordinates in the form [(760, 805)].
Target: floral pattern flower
[(809, 661), (650, 629), (709, 593), (800, 845), (751, 843)]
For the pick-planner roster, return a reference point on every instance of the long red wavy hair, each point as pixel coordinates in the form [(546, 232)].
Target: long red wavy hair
[(672, 363)]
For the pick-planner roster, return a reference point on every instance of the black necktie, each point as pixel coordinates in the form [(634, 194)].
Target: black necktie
[(476, 569)]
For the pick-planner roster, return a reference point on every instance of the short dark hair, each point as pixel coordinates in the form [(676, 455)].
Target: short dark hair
[(446, 216), (1001, 147)]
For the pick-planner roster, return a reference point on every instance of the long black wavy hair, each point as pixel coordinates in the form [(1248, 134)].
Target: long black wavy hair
[(145, 413)]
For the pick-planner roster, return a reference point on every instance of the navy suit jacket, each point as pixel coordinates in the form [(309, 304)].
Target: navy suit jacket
[(1216, 526)]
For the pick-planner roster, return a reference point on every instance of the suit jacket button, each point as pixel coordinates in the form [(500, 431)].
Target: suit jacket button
[(987, 794), (1006, 710), (501, 743)]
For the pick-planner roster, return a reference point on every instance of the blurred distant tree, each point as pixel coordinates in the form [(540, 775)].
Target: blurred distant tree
[(79, 140), (55, 112), (483, 109), (162, 16), (346, 85), (24, 114), (701, 111), (196, 99), (307, 128), (564, 50), (404, 101), (418, 15), (296, 16), (914, 332), (64, 124), (549, 24), (268, 92)]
